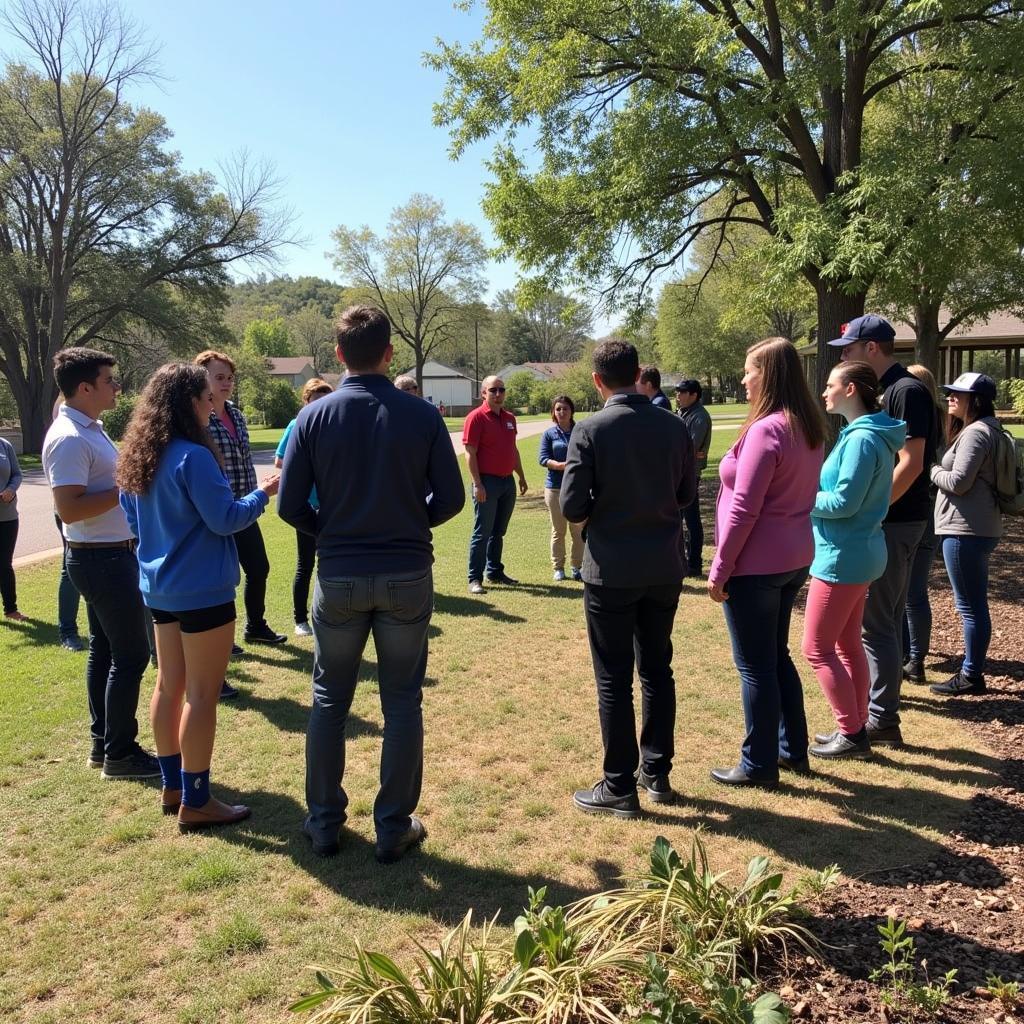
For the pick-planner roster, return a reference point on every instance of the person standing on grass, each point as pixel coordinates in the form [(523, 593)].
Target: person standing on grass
[(698, 425), (628, 472), (489, 437), (68, 598), (870, 339), (764, 548), (80, 460), (650, 385), (385, 474), (313, 389), (968, 521), (181, 509), (10, 481), (849, 552), (231, 436), (917, 619), (554, 446)]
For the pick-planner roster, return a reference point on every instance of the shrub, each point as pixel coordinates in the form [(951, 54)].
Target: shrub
[(518, 388), (1015, 393), (115, 422), (280, 404)]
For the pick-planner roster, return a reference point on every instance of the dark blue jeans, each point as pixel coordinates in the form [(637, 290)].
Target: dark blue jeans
[(966, 561), (758, 613), (695, 537), (917, 620), (396, 608), (67, 595), (490, 521), (108, 580)]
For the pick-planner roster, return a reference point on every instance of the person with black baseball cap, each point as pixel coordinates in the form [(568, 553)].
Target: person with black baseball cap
[(968, 522), (871, 338), (698, 425)]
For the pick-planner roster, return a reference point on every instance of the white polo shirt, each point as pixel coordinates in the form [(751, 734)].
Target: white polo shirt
[(78, 453)]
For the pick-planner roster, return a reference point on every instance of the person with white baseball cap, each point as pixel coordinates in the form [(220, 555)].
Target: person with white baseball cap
[(968, 522)]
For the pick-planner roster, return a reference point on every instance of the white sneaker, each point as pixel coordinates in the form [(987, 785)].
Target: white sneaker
[(559, 576), (303, 629)]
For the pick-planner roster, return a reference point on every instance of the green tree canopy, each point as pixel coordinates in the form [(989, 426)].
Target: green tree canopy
[(542, 325), (268, 337)]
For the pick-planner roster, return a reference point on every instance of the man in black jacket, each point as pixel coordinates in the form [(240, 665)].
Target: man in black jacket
[(629, 471)]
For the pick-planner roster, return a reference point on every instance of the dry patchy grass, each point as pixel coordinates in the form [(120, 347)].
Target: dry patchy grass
[(108, 914)]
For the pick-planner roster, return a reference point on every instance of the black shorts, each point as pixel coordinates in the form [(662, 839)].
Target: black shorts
[(197, 620)]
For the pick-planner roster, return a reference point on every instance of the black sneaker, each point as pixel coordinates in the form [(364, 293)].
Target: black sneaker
[(411, 837), (657, 787), (139, 764), (321, 847), (72, 643), (738, 777), (263, 634), (797, 765), (600, 801), (227, 691), (913, 672), (95, 758), (844, 747), (960, 685), (890, 736), (236, 650), (503, 577)]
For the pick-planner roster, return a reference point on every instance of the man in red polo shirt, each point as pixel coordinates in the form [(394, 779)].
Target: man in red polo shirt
[(489, 435)]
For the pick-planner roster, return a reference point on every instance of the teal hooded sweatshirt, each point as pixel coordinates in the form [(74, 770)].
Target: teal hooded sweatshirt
[(853, 499)]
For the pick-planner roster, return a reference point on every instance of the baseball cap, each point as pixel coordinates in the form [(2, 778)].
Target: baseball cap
[(973, 383), (865, 328), (689, 385)]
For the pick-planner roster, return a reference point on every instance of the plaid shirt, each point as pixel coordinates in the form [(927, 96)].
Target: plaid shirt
[(237, 458)]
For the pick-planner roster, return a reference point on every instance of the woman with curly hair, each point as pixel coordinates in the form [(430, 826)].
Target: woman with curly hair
[(181, 508)]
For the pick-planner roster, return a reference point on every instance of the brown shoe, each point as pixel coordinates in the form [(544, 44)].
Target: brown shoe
[(170, 800), (214, 812)]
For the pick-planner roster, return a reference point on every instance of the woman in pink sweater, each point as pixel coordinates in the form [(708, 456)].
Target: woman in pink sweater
[(764, 547)]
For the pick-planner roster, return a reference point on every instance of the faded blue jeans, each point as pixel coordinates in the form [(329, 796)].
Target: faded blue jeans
[(396, 608), (966, 561), (490, 521)]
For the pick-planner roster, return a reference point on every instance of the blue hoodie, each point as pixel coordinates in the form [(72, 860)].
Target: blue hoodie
[(853, 498), (184, 522)]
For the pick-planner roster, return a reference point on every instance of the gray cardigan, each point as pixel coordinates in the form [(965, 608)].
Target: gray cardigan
[(10, 477), (966, 478)]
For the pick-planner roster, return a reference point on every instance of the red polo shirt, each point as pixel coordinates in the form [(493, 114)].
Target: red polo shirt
[(493, 435)]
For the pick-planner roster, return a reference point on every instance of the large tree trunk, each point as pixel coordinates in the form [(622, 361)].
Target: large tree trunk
[(926, 351), (835, 308)]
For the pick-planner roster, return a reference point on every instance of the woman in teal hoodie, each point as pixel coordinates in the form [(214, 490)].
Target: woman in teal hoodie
[(849, 551), (182, 510)]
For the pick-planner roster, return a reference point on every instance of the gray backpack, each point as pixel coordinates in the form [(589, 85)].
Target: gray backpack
[(1008, 457)]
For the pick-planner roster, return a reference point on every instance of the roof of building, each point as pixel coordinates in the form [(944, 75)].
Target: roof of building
[(288, 365), (997, 328), (550, 369)]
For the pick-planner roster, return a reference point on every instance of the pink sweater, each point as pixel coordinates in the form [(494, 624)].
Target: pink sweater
[(762, 517)]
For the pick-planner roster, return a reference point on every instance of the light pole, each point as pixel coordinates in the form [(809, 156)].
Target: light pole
[(476, 345)]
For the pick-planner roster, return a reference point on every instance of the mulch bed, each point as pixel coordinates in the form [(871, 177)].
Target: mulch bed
[(965, 907)]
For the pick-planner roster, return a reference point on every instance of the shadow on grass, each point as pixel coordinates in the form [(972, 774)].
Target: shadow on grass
[(449, 604), (423, 882)]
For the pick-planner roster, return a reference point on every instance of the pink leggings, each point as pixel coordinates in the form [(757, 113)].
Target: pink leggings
[(833, 646)]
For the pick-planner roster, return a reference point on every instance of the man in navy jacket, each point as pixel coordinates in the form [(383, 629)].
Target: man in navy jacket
[(385, 472)]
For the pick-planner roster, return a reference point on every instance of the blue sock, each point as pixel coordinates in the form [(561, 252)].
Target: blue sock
[(170, 771), (195, 788)]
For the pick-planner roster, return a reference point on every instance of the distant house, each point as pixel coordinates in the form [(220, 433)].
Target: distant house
[(445, 385), (539, 371), (296, 370)]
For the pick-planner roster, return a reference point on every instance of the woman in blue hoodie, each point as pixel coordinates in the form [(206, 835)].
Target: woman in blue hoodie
[(181, 508), (849, 552)]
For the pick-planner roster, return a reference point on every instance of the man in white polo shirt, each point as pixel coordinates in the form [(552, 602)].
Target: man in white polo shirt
[(79, 460)]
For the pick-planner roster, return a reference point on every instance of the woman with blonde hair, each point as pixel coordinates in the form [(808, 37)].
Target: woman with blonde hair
[(181, 508), (917, 619), (305, 543), (764, 548)]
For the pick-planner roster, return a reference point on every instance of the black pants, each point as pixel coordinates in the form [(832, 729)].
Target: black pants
[(693, 550), (624, 624), (8, 538), (252, 556), (108, 580), (305, 544)]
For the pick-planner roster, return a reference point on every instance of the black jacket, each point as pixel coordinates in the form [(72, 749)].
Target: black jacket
[(629, 471)]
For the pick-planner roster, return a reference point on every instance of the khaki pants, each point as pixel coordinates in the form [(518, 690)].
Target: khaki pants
[(558, 525)]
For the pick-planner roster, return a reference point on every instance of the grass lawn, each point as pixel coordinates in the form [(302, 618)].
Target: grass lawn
[(108, 915)]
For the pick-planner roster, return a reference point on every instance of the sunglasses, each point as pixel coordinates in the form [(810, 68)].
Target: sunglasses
[(495, 391)]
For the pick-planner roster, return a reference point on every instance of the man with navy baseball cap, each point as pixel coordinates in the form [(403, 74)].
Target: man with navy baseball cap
[(870, 339)]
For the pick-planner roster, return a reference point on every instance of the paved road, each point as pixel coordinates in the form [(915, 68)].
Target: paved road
[(37, 534)]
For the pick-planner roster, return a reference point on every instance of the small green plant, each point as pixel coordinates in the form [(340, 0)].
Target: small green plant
[(897, 977), (238, 934), (817, 883), (1007, 992), (542, 931)]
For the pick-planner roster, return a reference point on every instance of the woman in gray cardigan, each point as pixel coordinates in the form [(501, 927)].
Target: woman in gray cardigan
[(10, 481), (968, 522)]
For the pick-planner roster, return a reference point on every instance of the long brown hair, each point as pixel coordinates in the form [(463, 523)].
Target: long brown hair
[(163, 412), (784, 389), (864, 380), (979, 407)]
